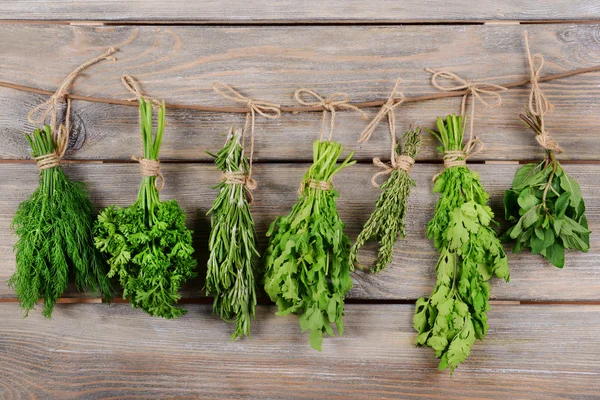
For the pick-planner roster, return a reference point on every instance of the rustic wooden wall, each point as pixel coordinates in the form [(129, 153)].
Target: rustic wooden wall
[(543, 340)]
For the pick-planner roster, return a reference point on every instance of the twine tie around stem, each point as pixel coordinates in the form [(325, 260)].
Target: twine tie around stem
[(336, 101), (539, 105), (263, 108), (402, 162), (148, 167), (49, 108), (315, 184)]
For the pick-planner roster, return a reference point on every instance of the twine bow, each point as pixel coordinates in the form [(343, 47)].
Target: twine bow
[(49, 108), (263, 108), (539, 105), (148, 167), (476, 90), (403, 162), (338, 100)]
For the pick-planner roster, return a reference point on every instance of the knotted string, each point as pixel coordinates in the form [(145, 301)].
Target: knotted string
[(539, 105), (263, 108), (473, 146), (148, 167), (49, 108), (338, 100), (397, 161), (240, 177), (314, 184)]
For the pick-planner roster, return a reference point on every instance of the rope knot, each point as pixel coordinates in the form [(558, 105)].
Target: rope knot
[(333, 103), (151, 168), (133, 86), (400, 162), (47, 161), (240, 178), (315, 184)]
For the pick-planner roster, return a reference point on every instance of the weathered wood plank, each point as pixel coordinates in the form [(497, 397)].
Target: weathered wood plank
[(409, 277), (235, 11), (180, 63), (97, 351)]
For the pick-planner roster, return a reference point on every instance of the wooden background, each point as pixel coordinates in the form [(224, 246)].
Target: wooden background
[(544, 327)]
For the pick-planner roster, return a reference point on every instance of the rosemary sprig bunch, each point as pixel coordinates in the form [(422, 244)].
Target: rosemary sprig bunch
[(386, 223), (455, 315), (148, 244), (545, 207), (230, 276), (55, 242), (307, 268)]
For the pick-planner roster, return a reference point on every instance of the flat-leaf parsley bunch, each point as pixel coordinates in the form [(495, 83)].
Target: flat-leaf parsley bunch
[(454, 316), (148, 244), (230, 276), (307, 268), (55, 242)]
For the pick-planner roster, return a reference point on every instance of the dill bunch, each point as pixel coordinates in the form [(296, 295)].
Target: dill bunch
[(230, 274), (455, 315), (55, 244), (307, 268), (386, 223), (148, 244)]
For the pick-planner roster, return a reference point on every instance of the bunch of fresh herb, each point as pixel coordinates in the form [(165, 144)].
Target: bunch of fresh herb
[(230, 275), (55, 243), (470, 255), (148, 244), (307, 260), (545, 208), (387, 221)]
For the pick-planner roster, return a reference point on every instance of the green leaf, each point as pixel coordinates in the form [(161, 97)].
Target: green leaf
[(527, 200), (555, 254), (537, 244), (571, 186), (561, 204)]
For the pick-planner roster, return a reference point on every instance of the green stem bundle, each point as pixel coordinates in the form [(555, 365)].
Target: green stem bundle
[(230, 275), (148, 244), (386, 223), (307, 268), (545, 208), (455, 314), (55, 242)]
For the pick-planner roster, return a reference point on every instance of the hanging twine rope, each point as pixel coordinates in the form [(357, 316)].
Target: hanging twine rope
[(263, 108), (336, 101), (473, 146), (240, 177), (397, 161), (539, 105), (148, 167), (49, 108)]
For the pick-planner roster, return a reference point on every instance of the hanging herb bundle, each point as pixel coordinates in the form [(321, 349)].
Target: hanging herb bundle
[(307, 268), (54, 227), (544, 205), (148, 244), (454, 316), (232, 248), (387, 221)]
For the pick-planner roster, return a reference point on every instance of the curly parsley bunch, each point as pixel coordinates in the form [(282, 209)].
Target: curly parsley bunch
[(307, 268), (455, 315), (55, 242), (148, 244), (230, 275)]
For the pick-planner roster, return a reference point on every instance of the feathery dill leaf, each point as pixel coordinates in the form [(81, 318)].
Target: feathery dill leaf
[(55, 242), (386, 223), (148, 244), (307, 268), (454, 316), (230, 274)]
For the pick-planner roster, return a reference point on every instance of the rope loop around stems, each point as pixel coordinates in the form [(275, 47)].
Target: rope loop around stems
[(47, 161), (240, 178), (457, 158), (336, 101), (149, 167), (263, 108), (49, 108), (399, 162), (315, 184), (539, 104)]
